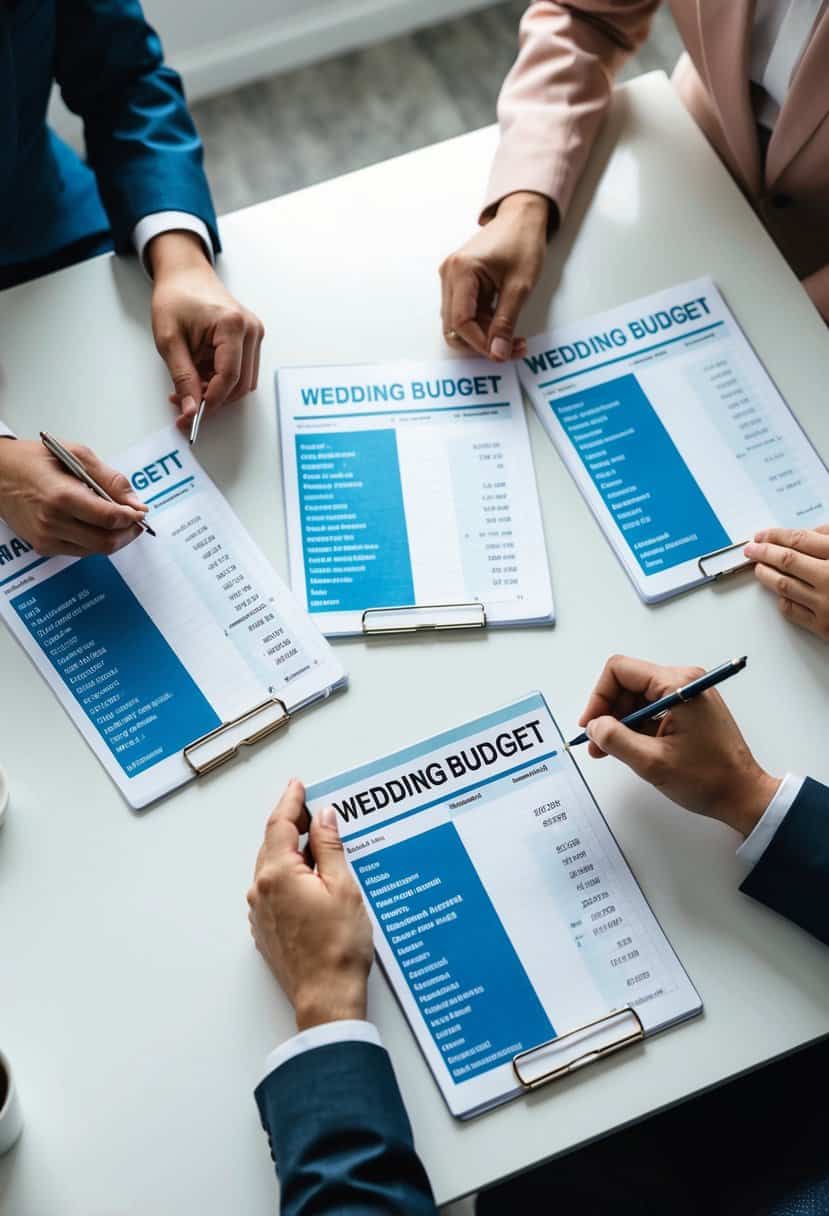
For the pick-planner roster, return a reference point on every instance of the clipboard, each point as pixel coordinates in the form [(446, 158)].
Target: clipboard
[(493, 1057), (721, 562), (221, 744), (423, 618), (367, 565), (575, 1049)]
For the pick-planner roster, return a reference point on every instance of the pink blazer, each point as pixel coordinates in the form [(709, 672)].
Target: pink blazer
[(555, 97)]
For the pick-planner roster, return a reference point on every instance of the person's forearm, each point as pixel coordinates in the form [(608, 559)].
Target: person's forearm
[(530, 209), (6, 445), (171, 252), (743, 804), (9, 450), (554, 99), (160, 224), (332, 999), (764, 830)]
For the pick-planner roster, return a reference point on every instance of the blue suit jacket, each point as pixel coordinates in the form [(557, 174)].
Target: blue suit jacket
[(144, 154), (340, 1137), (792, 876), (338, 1130)]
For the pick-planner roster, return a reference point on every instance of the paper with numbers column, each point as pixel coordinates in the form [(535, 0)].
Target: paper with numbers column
[(675, 434), (504, 914), (172, 637), (409, 485)]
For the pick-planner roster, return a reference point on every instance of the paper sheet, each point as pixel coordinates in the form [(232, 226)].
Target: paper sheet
[(503, 910), (411, 484), (675, 433), (171, 637)]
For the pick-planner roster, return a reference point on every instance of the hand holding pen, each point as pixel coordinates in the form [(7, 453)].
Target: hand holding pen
[(49, 507), (694, 754)]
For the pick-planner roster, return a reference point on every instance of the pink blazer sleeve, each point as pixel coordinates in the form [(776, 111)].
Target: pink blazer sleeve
[(554, 99)]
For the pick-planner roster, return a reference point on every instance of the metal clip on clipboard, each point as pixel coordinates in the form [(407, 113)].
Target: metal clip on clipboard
[(222, 744), (577, 1048), (720, 563), (419, 618)]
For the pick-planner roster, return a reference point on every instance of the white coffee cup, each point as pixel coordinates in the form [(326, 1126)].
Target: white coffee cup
[(11, 1116), (4, 795)]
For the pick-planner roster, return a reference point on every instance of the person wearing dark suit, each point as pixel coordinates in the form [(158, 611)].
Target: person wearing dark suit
[(142, 188), (337, 1127), (698, 759)]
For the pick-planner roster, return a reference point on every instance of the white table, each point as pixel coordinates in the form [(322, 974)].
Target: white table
[(132, 1003)]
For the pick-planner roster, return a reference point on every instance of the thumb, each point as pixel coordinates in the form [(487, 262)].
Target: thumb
[(639, 752), (109, 479), (511, 299), (326, 846), (184, 374)]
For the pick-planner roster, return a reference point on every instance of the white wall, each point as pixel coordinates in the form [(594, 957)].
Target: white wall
[(218, 45)]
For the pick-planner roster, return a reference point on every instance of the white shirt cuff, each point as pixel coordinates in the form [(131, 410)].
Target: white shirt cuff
[(169, 221), (756, 843), (6, 430), (351, 1031)]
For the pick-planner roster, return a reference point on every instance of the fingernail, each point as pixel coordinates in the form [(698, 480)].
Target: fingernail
[(188, 405), (760, 536), (588, 730), (751, 550), (500, 348), (135, 502), (328, 817)]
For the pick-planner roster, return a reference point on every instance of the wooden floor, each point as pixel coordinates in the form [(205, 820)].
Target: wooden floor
[(304, 126)]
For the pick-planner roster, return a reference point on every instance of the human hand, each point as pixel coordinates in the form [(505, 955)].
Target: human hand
[(210, 343), (311, 925), (485, 283), (695, 755), (48, 507), (795, 566)]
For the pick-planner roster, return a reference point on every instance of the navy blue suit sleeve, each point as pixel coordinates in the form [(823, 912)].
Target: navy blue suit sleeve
[(340, 1137), (140, 139), (792, 876)]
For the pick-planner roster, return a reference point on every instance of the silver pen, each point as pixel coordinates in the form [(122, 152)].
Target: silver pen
[(74, 466), (197, 417)]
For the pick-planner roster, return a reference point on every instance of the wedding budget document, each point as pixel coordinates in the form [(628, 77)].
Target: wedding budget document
[(505, 916), (410, 496), (675, 434), (185, 635)]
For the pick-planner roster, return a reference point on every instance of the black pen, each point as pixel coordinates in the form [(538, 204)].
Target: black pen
[(74, 466), (680, 697)]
